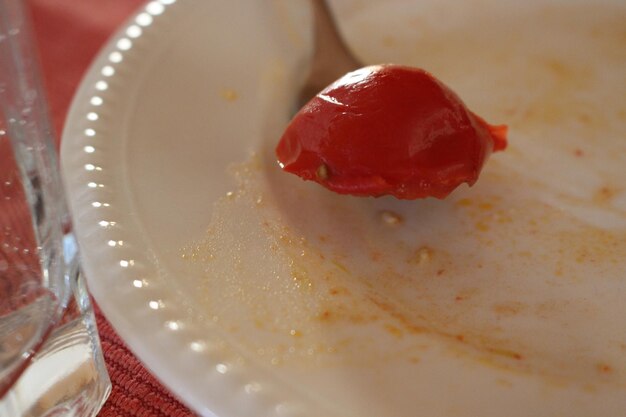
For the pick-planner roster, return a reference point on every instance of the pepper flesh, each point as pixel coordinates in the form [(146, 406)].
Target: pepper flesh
[(388, 130)]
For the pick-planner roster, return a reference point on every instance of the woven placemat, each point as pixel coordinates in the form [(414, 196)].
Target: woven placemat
[(136, 393)]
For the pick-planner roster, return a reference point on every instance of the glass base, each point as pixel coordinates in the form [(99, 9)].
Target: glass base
[(67, 377)]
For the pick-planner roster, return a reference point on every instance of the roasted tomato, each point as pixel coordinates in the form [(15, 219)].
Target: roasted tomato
[(388, 129)]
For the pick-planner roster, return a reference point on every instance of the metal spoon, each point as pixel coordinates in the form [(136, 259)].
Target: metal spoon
[(331, 56)]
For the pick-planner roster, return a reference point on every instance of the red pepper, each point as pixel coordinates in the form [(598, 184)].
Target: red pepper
[(388, 129)]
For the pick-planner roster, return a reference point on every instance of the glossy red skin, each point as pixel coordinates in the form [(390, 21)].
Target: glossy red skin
[(388, 130)]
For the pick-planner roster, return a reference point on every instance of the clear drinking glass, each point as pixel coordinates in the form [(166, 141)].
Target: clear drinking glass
[(51, 361)]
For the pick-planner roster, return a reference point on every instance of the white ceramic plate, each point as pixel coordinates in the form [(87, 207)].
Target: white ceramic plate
[(251, 293)]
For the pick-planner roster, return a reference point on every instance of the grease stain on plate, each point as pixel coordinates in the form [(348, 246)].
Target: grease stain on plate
[(515, 273)]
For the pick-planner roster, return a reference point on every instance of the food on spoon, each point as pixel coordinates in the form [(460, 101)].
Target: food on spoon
[(388, 130)]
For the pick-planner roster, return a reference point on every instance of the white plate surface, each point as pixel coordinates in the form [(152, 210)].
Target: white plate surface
[(251, 293)]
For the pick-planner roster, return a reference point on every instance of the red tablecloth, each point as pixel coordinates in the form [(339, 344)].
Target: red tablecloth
[(69, 34)]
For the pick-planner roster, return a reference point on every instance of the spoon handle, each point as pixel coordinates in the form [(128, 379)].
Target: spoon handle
[(331, 57)]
